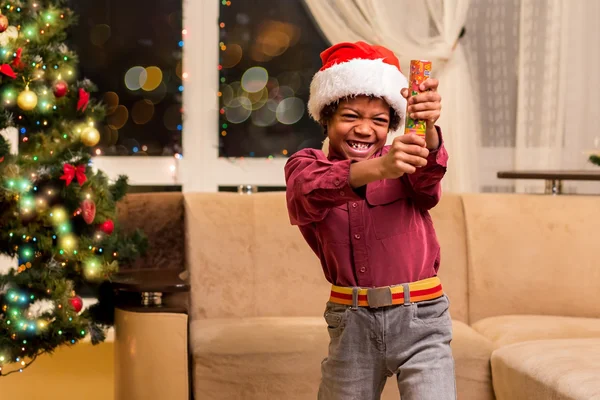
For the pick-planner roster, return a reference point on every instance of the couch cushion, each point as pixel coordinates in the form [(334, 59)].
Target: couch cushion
[(529, 254), (509, 329), (565, 369), (280, 358)]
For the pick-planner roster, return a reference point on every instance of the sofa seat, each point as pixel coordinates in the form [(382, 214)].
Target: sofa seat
[(563, 369), (286, 353), (509, 329)]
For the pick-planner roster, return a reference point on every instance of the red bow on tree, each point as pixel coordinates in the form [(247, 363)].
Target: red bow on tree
[(16, 62), (7, 70), (71, 171), (84, 98)]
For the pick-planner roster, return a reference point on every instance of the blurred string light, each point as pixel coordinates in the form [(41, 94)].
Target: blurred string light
[(258, 97)]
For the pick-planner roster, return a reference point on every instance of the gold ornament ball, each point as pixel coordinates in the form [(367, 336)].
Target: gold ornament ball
[(27, 100), (90, 136)]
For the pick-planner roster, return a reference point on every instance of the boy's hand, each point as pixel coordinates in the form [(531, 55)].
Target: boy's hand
[(426, 106), (406, 154)]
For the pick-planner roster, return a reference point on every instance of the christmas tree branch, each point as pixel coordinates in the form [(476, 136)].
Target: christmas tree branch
[(2, 373)]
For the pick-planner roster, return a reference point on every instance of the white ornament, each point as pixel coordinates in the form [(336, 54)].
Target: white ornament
[(11, 33), (40, 307)]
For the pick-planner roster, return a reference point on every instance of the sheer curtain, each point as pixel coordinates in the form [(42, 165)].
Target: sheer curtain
[(558, 97), (426, 29)]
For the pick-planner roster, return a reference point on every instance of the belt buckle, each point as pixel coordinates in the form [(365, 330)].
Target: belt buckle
[(379, 297)]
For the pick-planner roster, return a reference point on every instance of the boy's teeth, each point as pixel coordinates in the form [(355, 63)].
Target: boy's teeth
[(359, 146)]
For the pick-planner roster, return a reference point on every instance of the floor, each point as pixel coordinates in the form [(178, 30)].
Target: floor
[(81, 372)]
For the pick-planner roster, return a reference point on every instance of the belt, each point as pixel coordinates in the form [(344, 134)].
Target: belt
[(426, 289)]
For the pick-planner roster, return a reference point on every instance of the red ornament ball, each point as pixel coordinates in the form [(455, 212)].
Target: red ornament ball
[(107, 227), (61, 88), (77, 303), (3, 23)]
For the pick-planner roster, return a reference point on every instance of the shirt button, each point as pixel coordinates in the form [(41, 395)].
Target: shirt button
[(342, 193), (357, 236), (362, 269), (337, 182), (354, 205)]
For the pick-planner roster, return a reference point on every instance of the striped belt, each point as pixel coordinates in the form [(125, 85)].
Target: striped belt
[(426, 289)]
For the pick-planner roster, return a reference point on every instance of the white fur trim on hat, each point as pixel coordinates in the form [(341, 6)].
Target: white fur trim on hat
[(354, 78)]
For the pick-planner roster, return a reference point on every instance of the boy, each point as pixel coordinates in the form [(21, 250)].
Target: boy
[(363, 210)]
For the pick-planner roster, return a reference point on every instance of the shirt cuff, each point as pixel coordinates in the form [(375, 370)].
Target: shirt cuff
[(438, 156)]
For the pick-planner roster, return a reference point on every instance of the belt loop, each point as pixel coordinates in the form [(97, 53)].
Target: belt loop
[(406, 291), (355, 298)]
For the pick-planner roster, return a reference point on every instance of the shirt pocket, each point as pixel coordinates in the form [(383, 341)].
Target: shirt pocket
[(391, 209), (335, 228)]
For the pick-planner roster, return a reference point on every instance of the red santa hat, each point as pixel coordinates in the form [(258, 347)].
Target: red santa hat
[(352, 69)]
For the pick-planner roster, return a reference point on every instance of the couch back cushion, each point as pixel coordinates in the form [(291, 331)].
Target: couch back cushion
[(449, 221), (532, 254), (246, 260), (160, 216)]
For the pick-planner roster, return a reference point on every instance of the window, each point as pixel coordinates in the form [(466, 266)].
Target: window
[(132, 50), (269, 52)]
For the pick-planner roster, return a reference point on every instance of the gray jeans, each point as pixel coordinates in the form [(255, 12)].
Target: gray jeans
[(369, 345)]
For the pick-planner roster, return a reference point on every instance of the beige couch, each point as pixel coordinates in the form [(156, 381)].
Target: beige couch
[(522, 273)]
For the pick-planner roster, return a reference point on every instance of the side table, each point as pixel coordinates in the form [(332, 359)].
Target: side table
[(151, 336), (553, 179)]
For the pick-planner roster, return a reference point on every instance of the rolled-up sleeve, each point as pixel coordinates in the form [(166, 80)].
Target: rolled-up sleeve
[(426, 182), (315, 184)]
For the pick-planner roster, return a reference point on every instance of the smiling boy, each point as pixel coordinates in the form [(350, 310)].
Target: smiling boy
[(363, 210)]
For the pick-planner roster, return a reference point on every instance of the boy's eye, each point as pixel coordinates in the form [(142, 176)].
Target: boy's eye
[(381, 120), (349, 116)]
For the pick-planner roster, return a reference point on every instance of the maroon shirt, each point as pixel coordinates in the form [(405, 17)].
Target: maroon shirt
[(377, 235)]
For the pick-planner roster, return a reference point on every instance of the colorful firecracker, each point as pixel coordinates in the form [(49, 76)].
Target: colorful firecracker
[(420, 70)]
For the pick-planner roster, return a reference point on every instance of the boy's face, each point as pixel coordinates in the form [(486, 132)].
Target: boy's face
[(359, 127)]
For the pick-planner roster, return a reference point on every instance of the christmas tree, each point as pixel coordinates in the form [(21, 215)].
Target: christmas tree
[(57, 213)]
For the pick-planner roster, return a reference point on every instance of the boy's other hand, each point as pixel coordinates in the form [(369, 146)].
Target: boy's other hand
[(407, 153)]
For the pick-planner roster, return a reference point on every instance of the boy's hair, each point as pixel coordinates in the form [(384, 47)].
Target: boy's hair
[(329, 110)]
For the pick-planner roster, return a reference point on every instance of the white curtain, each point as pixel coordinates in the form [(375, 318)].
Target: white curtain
[(558, 94), (425, 29)]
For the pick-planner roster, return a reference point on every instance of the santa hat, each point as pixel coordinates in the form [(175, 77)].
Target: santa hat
[(352, 69)]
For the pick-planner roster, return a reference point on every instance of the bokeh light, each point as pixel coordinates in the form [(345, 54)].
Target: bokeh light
[(142, 112), (119, 118), (257, 99), (239, 110), (100, 34), (254, 79), (265, 116), (290, 110), (110, 135), (154, 77), (111, 100), (231, 56), (135, 78)]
